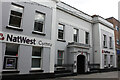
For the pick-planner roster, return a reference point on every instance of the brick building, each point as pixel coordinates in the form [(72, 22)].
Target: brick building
[(116, 25)]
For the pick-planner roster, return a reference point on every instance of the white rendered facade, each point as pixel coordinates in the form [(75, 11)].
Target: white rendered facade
[(75, 39)]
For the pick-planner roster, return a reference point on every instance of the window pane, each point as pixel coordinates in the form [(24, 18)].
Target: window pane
[(104, 37), (36, 62), (60, 31), (39, 17), (16, 13), (105, 59), (60, 35), (38, 26), (111, 59), (104, 41), (15, 21), (60, 54), (11, 49), (75, 37), (11, 62), (16, 8), (61, 27), (36, 51), (60, 57), (87, 35), (110, 42), (118, 42), (39, 22), (87, 38), (59, 61), (75, 31)]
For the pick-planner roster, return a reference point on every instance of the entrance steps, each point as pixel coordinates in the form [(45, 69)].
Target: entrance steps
[(102, 70), (63, 73)]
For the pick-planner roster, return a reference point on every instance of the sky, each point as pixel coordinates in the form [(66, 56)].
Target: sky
[(103, 8)]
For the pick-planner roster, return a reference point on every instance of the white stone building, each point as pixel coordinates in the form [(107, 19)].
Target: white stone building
[(47, 39)]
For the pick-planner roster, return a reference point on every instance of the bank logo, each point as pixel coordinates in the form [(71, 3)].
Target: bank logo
[(1, 36)]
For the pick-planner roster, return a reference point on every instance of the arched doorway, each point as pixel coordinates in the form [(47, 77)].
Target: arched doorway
[(80, 64)]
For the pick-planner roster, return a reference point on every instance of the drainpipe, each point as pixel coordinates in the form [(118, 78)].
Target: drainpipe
[(1, 61), (93, 43)]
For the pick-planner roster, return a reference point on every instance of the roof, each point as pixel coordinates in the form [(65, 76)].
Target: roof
[(73, 11), (113, 18)]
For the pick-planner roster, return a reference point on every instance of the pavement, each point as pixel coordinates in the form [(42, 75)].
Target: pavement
[(114, 75)]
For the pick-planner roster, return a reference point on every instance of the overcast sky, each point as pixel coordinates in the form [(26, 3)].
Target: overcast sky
[(104, 8)]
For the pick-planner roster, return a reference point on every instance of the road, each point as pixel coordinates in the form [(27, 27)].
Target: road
[(94, 76), (97, 75)]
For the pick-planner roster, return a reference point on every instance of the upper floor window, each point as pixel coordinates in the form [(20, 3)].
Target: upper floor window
[(117, 28), (16, 15), (60, 31), (104, 41), (110, 43), (87, 37), (75, 32), (39, 22), (118, 41), (60, 59)]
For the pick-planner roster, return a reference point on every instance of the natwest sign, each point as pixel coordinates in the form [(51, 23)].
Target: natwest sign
[(22, 39), (104, 51), (1, 36)]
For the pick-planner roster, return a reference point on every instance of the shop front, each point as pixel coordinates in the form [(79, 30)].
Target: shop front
[(23, 54)]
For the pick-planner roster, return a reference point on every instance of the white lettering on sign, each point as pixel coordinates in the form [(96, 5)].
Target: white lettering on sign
[(21, 39), (44, 43)]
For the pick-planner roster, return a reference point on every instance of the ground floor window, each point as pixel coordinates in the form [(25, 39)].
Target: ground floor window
[(60, 59), (105, 59), (111, 59), (11, 56), (36, 58)]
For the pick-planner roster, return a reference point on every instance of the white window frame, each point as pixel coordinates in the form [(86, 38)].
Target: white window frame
[(15, 27), (37, 57), (60, 58), (104, 40), (62, 32), (87, 38), (77, 31), (43, 27), (110, 43), (117, 28), (6, 56), (117, 41), (111, 59), (105, 60)]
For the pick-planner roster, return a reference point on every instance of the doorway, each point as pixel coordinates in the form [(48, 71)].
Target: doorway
[(80, 64)]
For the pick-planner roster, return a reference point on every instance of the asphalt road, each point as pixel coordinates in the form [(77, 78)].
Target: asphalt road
[(97, 75), (94, 76)]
